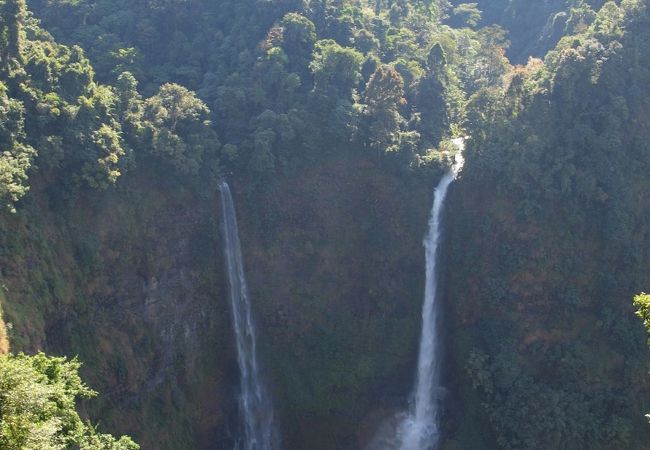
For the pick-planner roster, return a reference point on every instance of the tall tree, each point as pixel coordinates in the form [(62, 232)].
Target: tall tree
[(178, 128), (384, 97), (14, 12)]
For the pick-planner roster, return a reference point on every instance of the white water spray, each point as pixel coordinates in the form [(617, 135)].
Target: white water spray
[(420, 429), (254, 402)]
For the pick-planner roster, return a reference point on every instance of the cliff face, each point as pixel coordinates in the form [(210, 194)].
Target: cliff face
[(336, 265), (543, 348), (132, 280), (540, 314), (534, 28)]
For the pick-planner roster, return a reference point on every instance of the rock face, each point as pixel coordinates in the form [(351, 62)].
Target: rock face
[(335, 263), (133, 282), (540, 313), (534, 28)]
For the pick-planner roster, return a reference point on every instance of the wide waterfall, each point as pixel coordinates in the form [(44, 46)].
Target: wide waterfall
[(254, 402), (420, 429)]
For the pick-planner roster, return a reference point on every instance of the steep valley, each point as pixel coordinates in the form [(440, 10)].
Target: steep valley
[(133, 282), (331, 121)]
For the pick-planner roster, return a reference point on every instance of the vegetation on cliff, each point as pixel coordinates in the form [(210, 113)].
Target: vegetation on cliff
[(75, 132), (563, 144), (38, 407)]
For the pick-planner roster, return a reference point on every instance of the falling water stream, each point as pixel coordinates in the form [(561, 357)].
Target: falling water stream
[(420, 428), (254, 402)]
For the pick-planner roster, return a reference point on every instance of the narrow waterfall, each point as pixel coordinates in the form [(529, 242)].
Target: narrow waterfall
[(254, 402), (420, 430)]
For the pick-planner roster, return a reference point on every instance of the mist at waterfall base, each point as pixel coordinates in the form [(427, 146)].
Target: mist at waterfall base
[(255, 408), (419, 427)]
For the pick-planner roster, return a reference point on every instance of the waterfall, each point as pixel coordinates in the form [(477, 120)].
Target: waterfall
[(254, 402), (420, 429)]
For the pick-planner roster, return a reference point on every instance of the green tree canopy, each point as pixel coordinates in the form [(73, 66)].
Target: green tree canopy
[(38, 396), (384, 98), (178, 128), (336, 69), (15, 156), (642, 303)]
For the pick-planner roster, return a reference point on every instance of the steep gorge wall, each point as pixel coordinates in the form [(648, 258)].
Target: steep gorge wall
[(537, 309), (543, 344), (534, 28), (132, 280), (129, 280), (337, 277)]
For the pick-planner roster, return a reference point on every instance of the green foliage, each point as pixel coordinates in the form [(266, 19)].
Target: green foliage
[(336, 69), (58, 115), (566, 116), (560, 141), (177, 125), (13, 13), (58, 120), (535, 27), (468, 13), (129, 104), (296, 86), (38, 396), (384, 96), (103, 172), (642, 303), (15, 155), (307, 62), (298, 35)]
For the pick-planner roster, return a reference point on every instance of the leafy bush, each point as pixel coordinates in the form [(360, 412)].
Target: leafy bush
[(38, 396)]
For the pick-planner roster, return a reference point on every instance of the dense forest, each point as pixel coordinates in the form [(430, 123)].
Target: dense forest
[(332, 120)]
